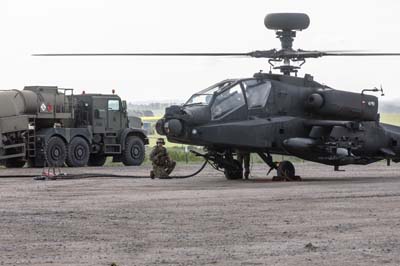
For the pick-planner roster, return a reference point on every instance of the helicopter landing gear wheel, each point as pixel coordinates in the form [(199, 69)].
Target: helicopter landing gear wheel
[(286, 172), (235, 171)]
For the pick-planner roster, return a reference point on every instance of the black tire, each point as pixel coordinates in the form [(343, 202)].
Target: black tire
[(235, 172), (286, 169), (55, 152), (14, 163), (78, 152), (97, 160), (134, 151)]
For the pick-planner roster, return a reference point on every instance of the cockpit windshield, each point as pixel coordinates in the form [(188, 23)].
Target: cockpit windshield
[(227, 101), (257, 92), (204, 97)]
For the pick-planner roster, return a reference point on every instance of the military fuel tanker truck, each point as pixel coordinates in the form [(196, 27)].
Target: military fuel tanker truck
[(43, 125)]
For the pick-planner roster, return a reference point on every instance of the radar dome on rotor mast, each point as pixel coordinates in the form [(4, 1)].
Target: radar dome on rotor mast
[(287, 21)]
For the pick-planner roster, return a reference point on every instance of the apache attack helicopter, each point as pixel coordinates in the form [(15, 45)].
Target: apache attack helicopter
[(280, 113)]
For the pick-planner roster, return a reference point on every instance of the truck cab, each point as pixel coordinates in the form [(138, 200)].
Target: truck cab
[(107, 115)]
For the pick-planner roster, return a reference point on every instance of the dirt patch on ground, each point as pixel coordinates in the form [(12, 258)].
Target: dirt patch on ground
[(331, 218)]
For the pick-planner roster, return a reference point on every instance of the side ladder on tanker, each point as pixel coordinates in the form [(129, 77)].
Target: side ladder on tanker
[(31, 141)]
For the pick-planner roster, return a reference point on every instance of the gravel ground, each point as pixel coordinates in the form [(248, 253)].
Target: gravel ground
[(330, 218)]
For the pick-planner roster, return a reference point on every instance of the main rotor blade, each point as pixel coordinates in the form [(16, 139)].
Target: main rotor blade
[(273, 53), (302, 54), (147, 54)]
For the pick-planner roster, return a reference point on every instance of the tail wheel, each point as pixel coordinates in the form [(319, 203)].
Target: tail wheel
[(14, 163), (286, 168), (97, 160), (55, 152), (234, 172), (78, 152), (286, 172), (134, 151)]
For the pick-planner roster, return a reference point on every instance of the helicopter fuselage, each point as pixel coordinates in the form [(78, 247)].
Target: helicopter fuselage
[(280, 114)]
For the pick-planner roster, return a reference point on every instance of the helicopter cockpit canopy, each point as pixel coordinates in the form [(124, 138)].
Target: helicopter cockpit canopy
[(204, 97), (230, 95)]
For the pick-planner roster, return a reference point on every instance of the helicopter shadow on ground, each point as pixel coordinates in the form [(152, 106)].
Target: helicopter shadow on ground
[(326, 179)]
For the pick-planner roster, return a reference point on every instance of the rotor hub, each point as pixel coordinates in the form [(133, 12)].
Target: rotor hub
[(286, 25)]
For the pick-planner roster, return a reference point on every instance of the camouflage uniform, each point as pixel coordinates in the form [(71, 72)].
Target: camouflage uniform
[(162, 164), (244, 158)]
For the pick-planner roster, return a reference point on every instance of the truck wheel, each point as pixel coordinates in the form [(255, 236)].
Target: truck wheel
[(55, 152), (134, 151), (78, 152), (97, 160), (15, 163)]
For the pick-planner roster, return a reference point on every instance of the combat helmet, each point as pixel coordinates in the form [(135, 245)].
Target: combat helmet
[(161, 141)]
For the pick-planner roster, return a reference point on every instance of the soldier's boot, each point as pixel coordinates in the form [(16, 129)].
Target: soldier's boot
[(159, 172), (164, 175), (246, 174)]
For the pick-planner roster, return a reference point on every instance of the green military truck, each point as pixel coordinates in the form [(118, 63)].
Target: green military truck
[(42, 125)]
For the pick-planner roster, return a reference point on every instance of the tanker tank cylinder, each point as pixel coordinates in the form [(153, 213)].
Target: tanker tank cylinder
[(15, 102), (314, 102)]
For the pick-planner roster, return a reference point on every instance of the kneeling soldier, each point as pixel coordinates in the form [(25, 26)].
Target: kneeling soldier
[(162, 163)]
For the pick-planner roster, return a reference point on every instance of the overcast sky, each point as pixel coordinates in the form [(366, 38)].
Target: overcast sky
[(49, 26)]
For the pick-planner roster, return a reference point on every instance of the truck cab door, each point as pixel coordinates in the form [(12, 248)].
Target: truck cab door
[(113, 115), (99, 105)]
